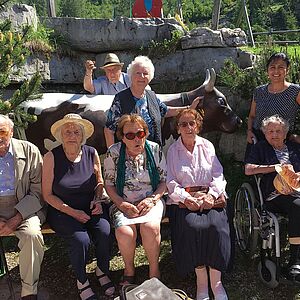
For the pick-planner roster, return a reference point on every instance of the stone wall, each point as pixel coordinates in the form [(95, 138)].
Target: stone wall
[(197, 50)]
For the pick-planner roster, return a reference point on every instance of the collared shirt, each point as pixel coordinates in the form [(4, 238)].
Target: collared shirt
[(199, 168), (7, 173), (104, 87)]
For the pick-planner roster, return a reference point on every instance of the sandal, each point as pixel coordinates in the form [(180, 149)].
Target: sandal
[(127, 279), (109, 288), (294, 273), (92, 297)]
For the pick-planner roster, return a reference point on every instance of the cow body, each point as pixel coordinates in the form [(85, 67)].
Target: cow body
[(218, 116)]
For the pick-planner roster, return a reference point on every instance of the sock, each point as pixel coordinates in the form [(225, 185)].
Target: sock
[(216, 285), (202, 283), (86, 293)]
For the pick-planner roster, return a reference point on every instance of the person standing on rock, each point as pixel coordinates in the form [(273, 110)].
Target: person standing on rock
[(114, 80)]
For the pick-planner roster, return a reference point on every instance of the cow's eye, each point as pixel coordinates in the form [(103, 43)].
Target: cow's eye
[(221, 101)]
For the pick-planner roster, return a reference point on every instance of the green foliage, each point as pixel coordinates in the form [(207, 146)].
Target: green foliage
[(243, 81), (161, 49), (12, 56)]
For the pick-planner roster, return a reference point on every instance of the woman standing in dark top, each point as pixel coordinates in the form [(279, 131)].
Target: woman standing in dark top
[(72, 186), (279, 97)]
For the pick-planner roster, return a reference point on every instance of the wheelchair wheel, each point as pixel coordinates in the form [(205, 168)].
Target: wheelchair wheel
[(246, 221), (268, 274)]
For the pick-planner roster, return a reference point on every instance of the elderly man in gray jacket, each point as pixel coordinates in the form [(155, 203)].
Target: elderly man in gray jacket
[(21, 205)]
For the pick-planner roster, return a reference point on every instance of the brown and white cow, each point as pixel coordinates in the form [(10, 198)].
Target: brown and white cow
[(218, 116)]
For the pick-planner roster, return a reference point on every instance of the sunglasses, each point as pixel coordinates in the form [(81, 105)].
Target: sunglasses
[(131, 136), (186, 124)]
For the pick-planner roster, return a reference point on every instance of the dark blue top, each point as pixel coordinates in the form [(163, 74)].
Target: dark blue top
[(74, 183), (263, 153)]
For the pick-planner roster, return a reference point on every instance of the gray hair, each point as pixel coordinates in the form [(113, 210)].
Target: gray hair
[(143, 61), (277, 120), (6, 119), (59, 135)]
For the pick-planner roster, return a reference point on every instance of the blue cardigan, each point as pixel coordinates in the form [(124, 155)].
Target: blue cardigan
[(263, 153)]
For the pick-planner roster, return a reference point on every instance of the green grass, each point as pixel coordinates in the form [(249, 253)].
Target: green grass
[(290, 50)]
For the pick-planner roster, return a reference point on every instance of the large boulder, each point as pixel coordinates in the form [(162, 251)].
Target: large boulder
[(20, 15), (234, 37), (120, 34), (202, 37)]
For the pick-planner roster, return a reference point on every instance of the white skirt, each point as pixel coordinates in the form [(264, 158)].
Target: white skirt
[(119, 219)]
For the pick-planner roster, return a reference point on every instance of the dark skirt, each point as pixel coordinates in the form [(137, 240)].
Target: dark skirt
[(199, 238)]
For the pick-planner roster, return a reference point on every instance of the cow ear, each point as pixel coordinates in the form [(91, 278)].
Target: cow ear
[(210, 80)]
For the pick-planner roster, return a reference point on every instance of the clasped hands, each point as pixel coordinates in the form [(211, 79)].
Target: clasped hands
[(199, 201), (83, 217), (140, 209)]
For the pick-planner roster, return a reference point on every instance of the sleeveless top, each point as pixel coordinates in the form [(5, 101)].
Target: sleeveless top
[(283, 104), (74, 183)]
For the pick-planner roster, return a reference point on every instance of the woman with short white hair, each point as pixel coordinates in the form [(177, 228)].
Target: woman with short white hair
[(142, 101), (268, 156)]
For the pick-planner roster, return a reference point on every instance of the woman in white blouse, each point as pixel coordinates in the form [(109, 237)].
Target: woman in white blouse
[(197, 197)]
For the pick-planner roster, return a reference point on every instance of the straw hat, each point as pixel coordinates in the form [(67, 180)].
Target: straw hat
[(111, 59), (281, 183), (72, 118)]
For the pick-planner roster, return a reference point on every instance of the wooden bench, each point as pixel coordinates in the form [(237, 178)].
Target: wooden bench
[(45, 230)]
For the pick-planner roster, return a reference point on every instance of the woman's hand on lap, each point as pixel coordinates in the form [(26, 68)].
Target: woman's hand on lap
[(96, 208), (80, 216), (129, 209), (144, 206)]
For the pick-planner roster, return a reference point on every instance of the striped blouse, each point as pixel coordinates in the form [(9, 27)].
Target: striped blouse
[(283, 104)]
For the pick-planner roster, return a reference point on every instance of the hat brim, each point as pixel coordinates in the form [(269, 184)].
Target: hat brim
[(278, 169), (86, 124), (112, 64)]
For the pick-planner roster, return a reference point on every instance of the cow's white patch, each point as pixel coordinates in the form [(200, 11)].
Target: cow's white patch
[(88, 102)]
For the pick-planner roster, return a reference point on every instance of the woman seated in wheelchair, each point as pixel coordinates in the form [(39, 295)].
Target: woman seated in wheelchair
[(199, 225), (279, 160)]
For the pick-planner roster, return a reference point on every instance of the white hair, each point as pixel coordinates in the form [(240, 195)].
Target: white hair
[(275, 119), (143, 61), (7, 120)]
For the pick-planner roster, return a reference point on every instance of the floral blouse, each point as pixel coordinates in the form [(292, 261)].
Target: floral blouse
[(137, 181)]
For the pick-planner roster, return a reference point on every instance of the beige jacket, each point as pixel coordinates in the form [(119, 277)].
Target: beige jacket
[(28, 173)]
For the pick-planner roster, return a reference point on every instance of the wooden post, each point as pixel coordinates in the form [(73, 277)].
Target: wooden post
[(179, 7), (216, 15), (51, 8), (248, 23)]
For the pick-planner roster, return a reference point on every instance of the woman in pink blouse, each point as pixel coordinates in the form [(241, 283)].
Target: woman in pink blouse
[(199, 225)]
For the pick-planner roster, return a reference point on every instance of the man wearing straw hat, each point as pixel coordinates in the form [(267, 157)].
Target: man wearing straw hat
[(21, 204), (114, 80)]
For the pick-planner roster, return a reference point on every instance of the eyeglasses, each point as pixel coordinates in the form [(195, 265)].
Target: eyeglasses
[(186, 124), (131, 135), (4, 133), (69, 133)]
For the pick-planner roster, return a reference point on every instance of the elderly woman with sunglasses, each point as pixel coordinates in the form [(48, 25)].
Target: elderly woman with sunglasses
[(134, 174), (199, 225)]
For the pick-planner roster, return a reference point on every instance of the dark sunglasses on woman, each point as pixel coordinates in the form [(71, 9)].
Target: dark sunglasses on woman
[(131, 135)]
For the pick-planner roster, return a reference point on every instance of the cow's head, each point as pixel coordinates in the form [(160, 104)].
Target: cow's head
[(218, 115)]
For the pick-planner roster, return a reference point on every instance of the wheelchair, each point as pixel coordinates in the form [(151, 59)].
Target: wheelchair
[(254, 225)]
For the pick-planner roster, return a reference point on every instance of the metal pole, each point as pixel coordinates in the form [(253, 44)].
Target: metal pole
[(248, 23), (216, 15)]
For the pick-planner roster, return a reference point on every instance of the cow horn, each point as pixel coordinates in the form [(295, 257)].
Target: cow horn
[(210, 80)]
